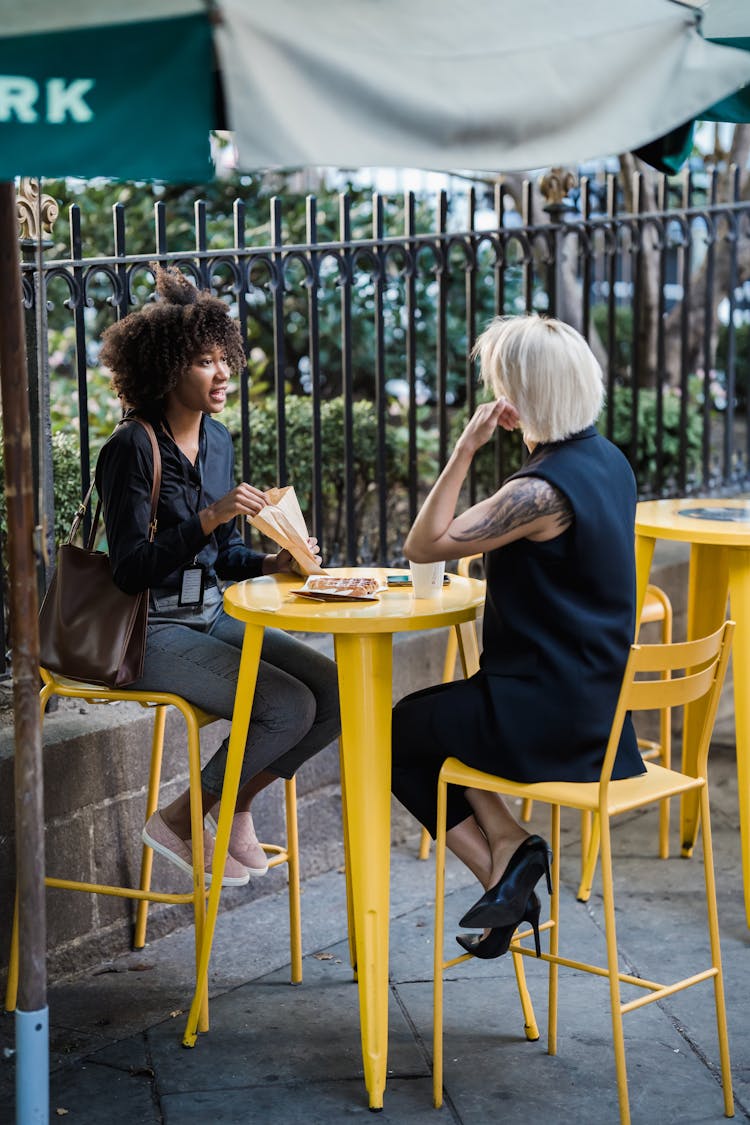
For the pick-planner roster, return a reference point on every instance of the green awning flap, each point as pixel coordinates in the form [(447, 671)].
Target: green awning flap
[(133, 103), (727, 23), (669, 153)]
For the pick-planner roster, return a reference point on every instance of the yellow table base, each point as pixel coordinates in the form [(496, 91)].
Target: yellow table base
[(364, 667), (243, 703), (363, 636)]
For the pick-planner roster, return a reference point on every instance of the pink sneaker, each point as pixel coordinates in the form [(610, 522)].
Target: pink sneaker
[(243, 843), (163, 840)]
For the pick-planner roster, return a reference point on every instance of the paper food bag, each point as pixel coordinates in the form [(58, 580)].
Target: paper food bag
[(282, 521)]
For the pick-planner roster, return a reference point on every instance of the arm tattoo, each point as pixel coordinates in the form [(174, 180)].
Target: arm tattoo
[(528, 500)]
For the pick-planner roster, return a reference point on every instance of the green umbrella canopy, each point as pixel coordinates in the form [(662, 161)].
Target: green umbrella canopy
[(103, 88), (98, 87)]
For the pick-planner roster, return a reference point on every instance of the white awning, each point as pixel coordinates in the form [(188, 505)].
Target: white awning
[(444, 84)]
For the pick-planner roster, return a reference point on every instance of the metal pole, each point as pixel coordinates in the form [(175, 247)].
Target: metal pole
[(32, 1036), (36, 215)]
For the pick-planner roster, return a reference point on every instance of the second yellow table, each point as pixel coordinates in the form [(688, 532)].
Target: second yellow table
[(718, 531), (363, 634)]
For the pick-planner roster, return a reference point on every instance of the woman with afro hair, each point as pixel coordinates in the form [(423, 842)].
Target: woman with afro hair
[(171, 363)]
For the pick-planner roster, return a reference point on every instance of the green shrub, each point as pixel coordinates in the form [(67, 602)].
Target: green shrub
[(646, 455), (741, 360), (67, 479), (66, 469), (103, 406), (299, 461), (623, 352)]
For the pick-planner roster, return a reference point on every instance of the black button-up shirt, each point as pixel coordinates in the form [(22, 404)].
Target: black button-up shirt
[(124, 475)]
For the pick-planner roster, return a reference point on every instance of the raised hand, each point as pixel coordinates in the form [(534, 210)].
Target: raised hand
[(485, 421), (244, 500)]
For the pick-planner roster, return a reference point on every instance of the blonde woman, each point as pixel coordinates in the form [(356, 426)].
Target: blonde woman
[(559, 616)]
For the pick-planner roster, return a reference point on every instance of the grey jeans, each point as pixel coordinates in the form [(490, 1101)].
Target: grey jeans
[(196, 654)]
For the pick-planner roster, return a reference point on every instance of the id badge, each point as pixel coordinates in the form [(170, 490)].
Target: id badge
[(192, 585)]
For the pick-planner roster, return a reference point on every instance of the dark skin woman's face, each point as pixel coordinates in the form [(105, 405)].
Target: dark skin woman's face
[(203, 387)]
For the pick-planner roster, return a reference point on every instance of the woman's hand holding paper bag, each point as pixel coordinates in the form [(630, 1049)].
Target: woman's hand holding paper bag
[(286, 562), (281, 520)]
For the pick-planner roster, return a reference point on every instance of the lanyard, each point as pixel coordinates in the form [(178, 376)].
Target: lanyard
[(193, 487)]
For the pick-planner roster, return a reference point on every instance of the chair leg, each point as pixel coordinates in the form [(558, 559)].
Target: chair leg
[(11, 987), (713, 930), (665, 741), (589, 854), (526, 809), (424, 845), (618, 1038), (292, 848), (198, 858), (530, 1026), (468, 648), (437, 974), (585, 833), (554, 934), (451, 652), (152, 801)]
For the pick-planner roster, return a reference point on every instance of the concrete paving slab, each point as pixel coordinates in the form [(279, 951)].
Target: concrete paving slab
[(278, 1055), (255, 1034), (493, 1073), (94, 1094), (319, 1103), (484, 1037)]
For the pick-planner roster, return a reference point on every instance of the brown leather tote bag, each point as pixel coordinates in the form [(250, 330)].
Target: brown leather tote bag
[(88, 628)]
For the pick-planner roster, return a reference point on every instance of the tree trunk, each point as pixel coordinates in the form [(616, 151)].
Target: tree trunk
[(640, 185), (569, 295), (695, 308)]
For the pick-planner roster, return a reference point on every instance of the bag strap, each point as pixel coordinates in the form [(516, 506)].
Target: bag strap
[(80, 513), (155, 488)]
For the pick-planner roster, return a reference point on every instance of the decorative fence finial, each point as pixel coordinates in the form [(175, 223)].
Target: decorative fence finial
[(29, 210), (555, 185)]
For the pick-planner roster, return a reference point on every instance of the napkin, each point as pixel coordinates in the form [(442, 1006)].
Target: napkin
[(282, 521)]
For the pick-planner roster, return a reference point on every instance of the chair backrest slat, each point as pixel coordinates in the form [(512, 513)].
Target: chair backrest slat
[(678, 654), (709, 655), (654, 695)]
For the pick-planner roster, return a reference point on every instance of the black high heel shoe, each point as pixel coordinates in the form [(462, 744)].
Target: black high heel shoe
[(497, 942), (504, 904)]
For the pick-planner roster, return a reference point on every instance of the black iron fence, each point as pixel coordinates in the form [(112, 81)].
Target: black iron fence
[(358, 337)]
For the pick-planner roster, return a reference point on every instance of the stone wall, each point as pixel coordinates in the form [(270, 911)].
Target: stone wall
[(96, 761)]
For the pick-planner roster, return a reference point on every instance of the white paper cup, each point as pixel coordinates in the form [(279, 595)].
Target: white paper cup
[(427, 579)]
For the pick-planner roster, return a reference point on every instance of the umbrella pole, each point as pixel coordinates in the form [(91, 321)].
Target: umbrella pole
[(32, 1029)]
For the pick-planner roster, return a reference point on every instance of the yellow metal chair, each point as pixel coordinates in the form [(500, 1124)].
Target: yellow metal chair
[(656, 608), (54, 684), (704, 662)]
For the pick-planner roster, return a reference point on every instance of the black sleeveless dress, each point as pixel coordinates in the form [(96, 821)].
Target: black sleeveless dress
[(559, 619)]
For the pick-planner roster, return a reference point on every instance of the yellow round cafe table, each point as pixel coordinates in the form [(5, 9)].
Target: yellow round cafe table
[(363, 634), (718, 531)]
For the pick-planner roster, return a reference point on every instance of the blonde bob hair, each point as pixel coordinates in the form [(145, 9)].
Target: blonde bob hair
[(548, 372)]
